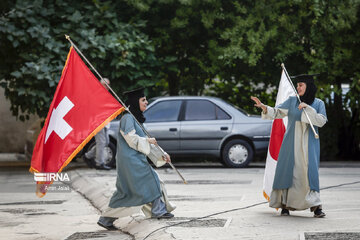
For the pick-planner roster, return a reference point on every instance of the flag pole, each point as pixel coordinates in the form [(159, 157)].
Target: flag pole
[(122, 103), (298, 97), (78, 50)]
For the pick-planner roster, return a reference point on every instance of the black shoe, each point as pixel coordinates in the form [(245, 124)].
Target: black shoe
[(102, 167), (318, 213), (110, 228), (285, 212), (165, 216)]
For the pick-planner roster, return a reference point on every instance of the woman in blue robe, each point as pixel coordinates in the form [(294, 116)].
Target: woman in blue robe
[(137, 183), (296, 182)]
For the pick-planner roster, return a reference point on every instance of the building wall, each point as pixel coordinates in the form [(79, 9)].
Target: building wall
[(12, 132)]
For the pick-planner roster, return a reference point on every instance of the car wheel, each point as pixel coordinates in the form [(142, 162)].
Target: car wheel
[(237, 153), (110, 151)]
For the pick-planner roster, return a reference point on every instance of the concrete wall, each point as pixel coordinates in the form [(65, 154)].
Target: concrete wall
[(12, 131)]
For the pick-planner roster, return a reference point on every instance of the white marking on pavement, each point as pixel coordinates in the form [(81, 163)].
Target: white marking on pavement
[(228, 221), (302, 236)]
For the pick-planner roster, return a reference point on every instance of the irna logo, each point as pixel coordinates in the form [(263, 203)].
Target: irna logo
[(49, 177)]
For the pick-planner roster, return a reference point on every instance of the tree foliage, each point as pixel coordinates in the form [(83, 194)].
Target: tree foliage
[(34, 49), (229, 49), (184, 35), (233, 49), (309, 37)]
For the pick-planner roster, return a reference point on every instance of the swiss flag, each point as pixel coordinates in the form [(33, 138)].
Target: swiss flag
[(277, 134), (81, 107)]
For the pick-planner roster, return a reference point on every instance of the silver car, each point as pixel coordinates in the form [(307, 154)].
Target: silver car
[(204, 126)]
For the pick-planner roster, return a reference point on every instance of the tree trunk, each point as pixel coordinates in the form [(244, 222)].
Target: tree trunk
[(173, 81), (346, 136)]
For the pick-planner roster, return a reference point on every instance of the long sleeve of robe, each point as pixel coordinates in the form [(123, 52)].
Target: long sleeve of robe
[(137, 183), (142, 145), (296, 182)]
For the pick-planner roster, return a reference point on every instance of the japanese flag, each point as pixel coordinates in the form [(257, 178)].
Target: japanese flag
[(277, 134), (81, 107)]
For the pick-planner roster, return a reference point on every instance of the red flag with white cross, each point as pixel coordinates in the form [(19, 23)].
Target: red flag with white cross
[(81, 107)]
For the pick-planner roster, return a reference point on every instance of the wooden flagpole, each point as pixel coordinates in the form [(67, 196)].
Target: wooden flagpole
[(298, 97), (122, 103)]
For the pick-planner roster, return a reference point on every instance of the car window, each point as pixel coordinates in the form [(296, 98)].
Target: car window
[(200, 110), (163, 111), (237, 108), (221, 114)]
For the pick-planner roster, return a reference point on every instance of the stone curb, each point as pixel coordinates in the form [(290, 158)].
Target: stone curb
[(137, 226)]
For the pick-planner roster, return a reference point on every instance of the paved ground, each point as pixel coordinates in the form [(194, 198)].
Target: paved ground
[(229, 195), (217, 203), (58, 215)]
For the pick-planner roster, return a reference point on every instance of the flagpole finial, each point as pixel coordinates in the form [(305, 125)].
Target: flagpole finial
[(67, 37)]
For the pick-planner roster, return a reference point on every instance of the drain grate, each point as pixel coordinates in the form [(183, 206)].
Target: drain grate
[(189, 198), (34, 203), (192, 222), (20, 210), (214, 182), (332, 235), (28, 233), (202, 199), (103, 235), (28, 212), (39, 214), (10, 224), (86, 235)]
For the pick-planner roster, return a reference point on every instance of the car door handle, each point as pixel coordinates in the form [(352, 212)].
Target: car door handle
[(224, 128), (172, 129)]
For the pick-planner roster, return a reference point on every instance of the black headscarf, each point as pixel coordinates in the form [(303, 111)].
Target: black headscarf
[(133, 103), (309, 95)]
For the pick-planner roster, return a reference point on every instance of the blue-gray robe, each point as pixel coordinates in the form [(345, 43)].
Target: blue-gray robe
[(285, 165), (137, 183)]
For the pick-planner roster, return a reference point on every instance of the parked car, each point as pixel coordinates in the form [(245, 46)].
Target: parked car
[(110, 151), (202, 126)]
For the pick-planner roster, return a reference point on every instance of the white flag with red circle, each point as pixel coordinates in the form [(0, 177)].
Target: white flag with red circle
[(277, 134)]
